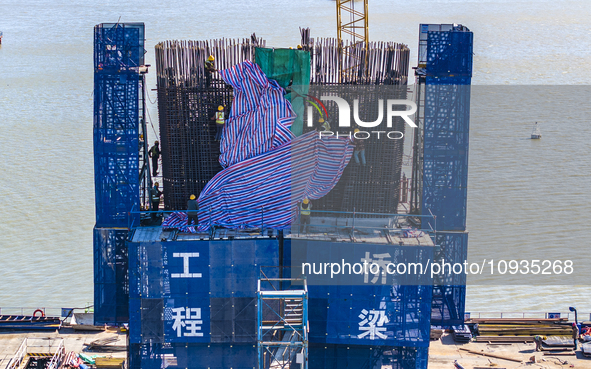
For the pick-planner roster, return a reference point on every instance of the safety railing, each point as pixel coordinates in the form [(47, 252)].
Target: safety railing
[(358, 220), (43, 311), (570, 316), (19, 356), (58, 357)]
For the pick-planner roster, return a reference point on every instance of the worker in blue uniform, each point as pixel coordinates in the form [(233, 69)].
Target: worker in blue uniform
[(359, 149), (155, 194)]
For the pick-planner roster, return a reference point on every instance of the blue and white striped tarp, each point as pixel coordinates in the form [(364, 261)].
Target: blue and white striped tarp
[(263, 191), (260, 117)]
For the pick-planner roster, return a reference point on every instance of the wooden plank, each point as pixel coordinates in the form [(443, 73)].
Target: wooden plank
[(104, 362), (559, 353)]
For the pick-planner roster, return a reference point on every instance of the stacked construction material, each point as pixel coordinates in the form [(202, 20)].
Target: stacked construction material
[(29, 322), (519, 330), (461, 333), (586, 349)]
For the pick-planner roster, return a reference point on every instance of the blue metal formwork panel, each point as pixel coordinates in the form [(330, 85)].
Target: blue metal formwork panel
[(194, 292), (110, 276), (449, 295), (146, 356), (329, 356)]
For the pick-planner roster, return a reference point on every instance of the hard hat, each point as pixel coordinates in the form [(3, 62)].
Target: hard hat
[(220, 108), (306, 200), (291, 48), (321, 120), (156, 142), (192, 197), (299, 47), (356, 130), (211, 58), (156, 184)]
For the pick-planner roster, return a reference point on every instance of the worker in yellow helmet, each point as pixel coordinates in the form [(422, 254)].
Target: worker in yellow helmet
[(305, 210), (192, 216), (299, 47), (538, 340), (209, 69), (219, 122), (359, 148)]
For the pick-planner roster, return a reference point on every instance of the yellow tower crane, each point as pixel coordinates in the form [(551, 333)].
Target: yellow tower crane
[(352, 25)]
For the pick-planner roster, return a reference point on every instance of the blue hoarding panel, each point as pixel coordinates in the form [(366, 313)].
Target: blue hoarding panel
[(110, 276), (328, 356), (392, 318)]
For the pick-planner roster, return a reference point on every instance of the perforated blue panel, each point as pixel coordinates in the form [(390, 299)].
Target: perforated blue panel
[(449, 54), (449, 298), (118, 51), (445, 160)]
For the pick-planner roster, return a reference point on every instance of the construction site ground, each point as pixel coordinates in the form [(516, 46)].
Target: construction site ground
[(74, 340), (443, 353)]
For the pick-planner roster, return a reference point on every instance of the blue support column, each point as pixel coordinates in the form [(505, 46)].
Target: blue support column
[(118, 53), (447, 51)]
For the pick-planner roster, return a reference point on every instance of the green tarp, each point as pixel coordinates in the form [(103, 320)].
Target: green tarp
[(288, 66)]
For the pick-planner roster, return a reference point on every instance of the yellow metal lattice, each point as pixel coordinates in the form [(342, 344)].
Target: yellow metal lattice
[(352, 26)]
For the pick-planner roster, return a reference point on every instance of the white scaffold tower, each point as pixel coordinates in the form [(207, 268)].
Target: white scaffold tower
[(282, 323)]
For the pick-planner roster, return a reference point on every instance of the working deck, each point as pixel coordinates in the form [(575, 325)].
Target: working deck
[(368, 230)]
